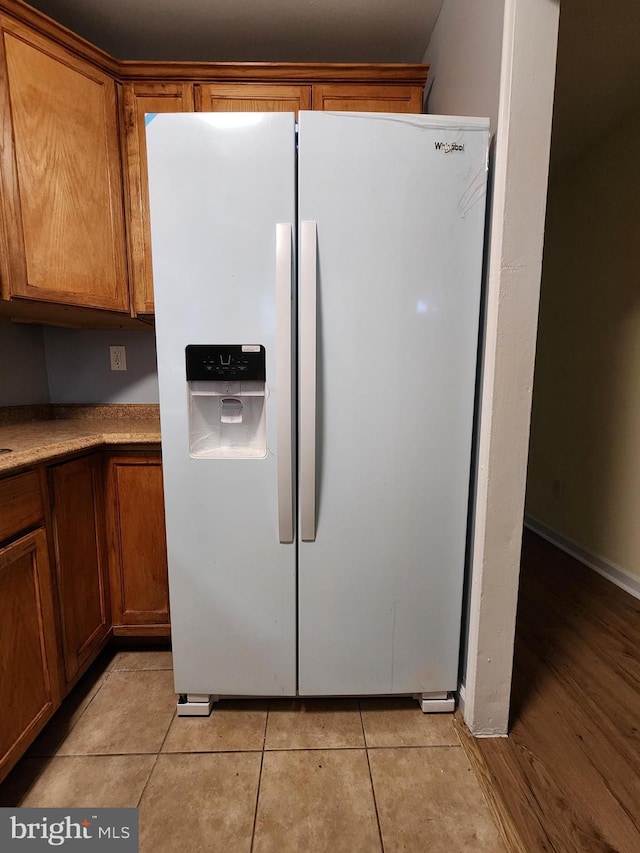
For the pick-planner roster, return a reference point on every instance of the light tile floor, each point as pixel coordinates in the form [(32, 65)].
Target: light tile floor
[(277, 776)]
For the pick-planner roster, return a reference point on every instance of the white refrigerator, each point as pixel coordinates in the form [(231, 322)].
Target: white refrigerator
[(317, 292)]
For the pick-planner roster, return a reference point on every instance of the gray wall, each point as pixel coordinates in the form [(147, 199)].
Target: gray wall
[(79, 370), (23, 369)]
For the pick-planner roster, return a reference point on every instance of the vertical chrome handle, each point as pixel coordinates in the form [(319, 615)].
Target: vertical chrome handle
[(307, 361), (284, 422)]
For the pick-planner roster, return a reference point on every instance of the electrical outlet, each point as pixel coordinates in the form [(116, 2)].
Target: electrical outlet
[(118, 357), (557, 489)]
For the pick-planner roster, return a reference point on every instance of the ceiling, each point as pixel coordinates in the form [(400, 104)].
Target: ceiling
[(252, 30)]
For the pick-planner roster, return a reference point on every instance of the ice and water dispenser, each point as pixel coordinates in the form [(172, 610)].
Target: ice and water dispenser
[(227, 401)]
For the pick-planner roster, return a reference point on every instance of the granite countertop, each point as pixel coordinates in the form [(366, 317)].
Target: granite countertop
[(68, 429)]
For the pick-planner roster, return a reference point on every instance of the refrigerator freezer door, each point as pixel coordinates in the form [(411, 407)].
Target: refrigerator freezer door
[(219, 185), (399, 204), (284, 367)]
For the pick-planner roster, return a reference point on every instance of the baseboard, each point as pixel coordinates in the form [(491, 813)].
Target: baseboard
[(616, 574)]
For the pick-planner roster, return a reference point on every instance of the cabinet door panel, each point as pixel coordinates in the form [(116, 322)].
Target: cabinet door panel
[(252, 97), (80, 559), (66, 189), (138, 550), (138, 99), (367, 97), (28, 674)]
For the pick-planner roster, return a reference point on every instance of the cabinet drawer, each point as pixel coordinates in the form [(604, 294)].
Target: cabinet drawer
[(20, 503)]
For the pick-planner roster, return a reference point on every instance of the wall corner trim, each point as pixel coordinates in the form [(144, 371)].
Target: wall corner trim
[(460, 698)]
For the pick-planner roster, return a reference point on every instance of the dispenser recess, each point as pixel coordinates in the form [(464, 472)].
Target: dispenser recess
[(227, 391)]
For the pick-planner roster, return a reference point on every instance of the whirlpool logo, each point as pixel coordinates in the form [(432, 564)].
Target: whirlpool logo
[(84, 830), (448, 147)]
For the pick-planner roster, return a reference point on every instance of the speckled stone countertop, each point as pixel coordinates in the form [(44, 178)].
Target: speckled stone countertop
[(43, 433)]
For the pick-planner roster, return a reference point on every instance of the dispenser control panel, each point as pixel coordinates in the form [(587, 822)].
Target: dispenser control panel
[(219, 362)]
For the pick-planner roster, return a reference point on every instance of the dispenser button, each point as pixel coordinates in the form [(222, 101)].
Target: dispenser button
[(231, 410)]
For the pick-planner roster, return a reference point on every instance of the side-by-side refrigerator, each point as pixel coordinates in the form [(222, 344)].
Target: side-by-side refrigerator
[(317, 292)]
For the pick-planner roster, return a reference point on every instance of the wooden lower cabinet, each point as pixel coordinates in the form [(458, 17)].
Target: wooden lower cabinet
[(76, 491), (137, 545), (105, 519), (29, 680)]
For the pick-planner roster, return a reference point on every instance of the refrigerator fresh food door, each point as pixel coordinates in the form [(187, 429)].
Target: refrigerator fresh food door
[(222, 193), (394, 207)]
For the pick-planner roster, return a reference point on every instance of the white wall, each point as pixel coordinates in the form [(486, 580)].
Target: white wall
[(23, 370), (464, 54), (79, 370), (519, 99)]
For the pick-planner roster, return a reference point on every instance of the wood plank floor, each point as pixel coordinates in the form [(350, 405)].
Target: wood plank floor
[(567, 779)]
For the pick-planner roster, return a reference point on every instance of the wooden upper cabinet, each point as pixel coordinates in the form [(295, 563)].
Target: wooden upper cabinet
[(73, 156), (61, 175), (252, 97), (138, 99), (367, 97)]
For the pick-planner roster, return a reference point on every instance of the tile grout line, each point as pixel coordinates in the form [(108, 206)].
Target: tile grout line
[(255, 813), (246, 751), (46, 759), (153, 766), (373, 791), (388, 746), (266, 725), (137, 669), (264, 741), (106, 673), (144, 787)]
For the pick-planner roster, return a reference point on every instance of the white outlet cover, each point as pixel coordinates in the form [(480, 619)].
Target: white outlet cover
[(118, 357)]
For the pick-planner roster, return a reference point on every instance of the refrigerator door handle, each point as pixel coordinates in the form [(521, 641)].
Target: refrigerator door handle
[(308, 302), (284, 412)]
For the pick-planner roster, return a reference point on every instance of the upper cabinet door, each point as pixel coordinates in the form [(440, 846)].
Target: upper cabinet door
[(61, 175), (252, 97), (138, 99), (367, 97)]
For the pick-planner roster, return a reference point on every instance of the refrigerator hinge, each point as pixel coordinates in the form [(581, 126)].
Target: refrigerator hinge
[(196, 704), (436, 703)]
